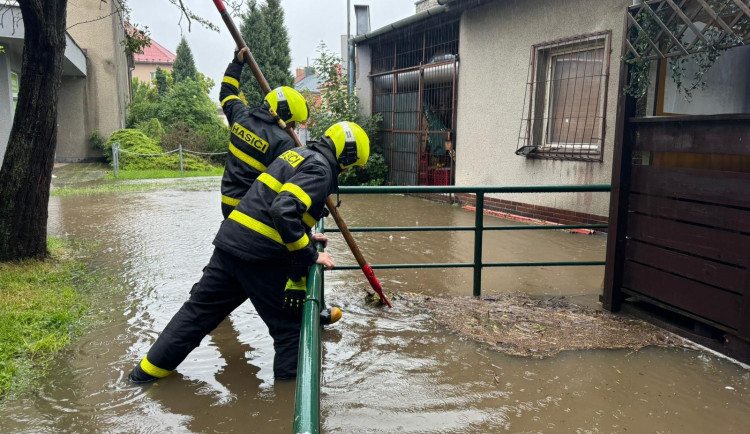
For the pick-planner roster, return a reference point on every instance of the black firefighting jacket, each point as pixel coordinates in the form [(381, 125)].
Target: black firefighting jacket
[(272, 222), (256, 140)]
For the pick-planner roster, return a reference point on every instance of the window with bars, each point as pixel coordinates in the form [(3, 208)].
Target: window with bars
[(564, 109)]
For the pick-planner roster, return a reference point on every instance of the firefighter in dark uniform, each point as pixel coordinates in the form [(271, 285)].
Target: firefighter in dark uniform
[(266, 234), (256, 138)]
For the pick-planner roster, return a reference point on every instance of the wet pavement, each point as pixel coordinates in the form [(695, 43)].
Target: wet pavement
[(384, 370)]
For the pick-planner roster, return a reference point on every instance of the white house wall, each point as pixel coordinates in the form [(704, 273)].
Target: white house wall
[(106, 89), (495, 44)]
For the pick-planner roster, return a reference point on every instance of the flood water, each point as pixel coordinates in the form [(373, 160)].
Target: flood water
[(384, 370)]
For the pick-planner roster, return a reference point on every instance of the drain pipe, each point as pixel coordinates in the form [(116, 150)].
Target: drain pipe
[(350, 49)]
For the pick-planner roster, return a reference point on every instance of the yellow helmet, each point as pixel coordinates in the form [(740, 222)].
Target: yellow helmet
[(352, 144), (288, 104)]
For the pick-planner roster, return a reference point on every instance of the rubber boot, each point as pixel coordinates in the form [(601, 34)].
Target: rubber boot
[(330, 316), (138, 375)]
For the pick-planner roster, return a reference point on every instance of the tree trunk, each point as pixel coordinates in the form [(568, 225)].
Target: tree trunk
[(27, 169)]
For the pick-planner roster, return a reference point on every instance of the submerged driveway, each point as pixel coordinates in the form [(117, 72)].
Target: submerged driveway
[(384, 370)]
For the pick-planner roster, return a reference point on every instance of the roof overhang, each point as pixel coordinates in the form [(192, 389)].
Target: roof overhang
[(12, 31), (442, 7), (75, 58), (411, 19)]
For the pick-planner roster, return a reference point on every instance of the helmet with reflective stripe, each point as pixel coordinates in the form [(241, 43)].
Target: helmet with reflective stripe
[(288, 104), (352, 144)]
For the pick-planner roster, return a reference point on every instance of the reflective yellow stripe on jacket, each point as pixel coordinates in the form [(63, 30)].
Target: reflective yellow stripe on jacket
[(233, 81), (267, 231), (276, 186), (298, 193), (270, 182), (229, 200), (309, 220), (250, 161), (229, 98)]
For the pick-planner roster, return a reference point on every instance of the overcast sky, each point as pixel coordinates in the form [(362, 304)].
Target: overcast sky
[(308, 23)]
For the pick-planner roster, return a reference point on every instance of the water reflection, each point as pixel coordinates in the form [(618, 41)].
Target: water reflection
[(384, 370)]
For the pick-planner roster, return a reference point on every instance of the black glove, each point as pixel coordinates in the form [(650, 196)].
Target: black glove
[(294, 295)]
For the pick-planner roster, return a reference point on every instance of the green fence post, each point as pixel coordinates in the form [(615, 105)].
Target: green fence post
[(478, 235), (307, 398)]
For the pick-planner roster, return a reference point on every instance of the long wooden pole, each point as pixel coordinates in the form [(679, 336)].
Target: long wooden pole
[(250, 60)]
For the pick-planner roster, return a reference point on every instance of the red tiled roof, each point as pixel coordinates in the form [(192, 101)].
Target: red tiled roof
[(154, 54)]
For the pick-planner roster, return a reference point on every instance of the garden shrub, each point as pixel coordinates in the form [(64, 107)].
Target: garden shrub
[(187, 102), (152, 129), (133, 140), (374, 173), (207, 138), (97, 141)]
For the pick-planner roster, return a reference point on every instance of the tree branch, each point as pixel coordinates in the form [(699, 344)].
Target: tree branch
[(94, 20)]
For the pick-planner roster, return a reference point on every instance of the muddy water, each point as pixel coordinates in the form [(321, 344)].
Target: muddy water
[(384, 371)]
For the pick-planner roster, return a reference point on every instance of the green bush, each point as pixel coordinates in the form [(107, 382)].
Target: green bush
[(208, 138), (217, 140), (144, 104), (187, 102), (374, 173), (135, 141), (337, 105), (97, 141), (152, 129)]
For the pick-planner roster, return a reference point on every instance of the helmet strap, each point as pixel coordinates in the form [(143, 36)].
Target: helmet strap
[(276, 117), (348, 154)]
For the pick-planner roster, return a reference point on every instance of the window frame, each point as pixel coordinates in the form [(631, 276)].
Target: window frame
[(540, 117)]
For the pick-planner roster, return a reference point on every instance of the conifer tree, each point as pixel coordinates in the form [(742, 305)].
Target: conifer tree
[(256, 36), (184, 65), (267, 38), (161, 81), (278, 69)]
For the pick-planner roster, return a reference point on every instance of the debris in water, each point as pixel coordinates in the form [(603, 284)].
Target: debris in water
[(374, 299), (518, 324)]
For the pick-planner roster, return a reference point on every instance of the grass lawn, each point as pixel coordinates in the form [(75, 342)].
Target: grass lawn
[(41, 307), (157, 173), (134, 187)]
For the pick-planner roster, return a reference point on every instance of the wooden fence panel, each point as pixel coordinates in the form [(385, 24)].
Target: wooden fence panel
[(694, 134), (704, 214), (711, 186), (710, 243), (714, 304), (692, 267)]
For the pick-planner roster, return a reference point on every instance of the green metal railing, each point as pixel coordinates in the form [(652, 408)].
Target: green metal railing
[(307, 398), (478, 227), (307, 401)]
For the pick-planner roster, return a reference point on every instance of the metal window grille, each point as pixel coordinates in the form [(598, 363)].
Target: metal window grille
[(414, 73), (566, 94)]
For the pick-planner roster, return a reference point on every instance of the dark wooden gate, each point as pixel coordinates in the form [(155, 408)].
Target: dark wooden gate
[(680, 225)]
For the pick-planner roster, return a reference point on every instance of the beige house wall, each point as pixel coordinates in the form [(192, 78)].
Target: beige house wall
[(106, 92), (495, 44), (143, 71)]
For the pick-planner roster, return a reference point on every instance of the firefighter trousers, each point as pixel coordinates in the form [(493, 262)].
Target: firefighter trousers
[(226, 283)]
